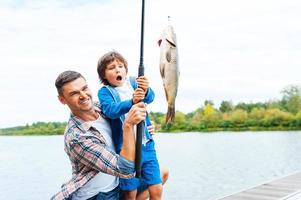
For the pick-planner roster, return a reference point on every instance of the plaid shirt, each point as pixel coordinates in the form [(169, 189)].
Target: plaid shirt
[(88, 153)]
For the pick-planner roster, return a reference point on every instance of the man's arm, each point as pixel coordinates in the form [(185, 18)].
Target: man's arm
[(92, 153), (134, 116)]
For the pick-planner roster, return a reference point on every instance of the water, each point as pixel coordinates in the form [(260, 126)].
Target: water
[(202, 166)]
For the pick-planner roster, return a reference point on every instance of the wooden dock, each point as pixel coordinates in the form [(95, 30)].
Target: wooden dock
[(287, 188)]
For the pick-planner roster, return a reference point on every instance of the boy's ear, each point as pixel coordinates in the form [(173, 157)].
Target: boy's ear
[(61, 99)]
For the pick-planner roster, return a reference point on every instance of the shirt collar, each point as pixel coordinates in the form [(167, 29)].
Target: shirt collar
[(84, 126)]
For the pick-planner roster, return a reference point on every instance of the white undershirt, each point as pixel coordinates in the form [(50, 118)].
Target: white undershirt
[(126, 92), (102, 182)]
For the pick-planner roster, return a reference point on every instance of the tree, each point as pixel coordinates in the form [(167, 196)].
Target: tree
[(249, 106), (211, 116), (156, 117), (297, 121), (291, 99), (257, 113), (208, 102), (226, 106), (273, 104), (179, 122), (276, 117), (208, 109), (196, 118), (242, 106), (239, 116)]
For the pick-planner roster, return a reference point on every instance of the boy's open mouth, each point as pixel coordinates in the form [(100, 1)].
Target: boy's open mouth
[(119, 78)]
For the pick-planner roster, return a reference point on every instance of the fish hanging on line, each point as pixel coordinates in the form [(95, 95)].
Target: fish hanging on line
[(169, 68)]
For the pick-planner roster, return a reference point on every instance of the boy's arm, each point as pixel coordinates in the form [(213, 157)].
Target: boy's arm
[(111, 108), (149, 96)]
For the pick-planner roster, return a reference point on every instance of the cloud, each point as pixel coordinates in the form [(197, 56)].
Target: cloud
[(228, 50)]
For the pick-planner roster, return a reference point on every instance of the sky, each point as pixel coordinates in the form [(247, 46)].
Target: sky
[(243, 51)]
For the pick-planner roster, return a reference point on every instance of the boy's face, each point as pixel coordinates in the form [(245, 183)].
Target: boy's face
[(115, 73)]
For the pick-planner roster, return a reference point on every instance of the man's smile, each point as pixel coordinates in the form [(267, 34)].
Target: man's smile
[(85, 101)]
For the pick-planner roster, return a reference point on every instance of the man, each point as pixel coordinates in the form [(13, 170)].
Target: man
[(88, 143)]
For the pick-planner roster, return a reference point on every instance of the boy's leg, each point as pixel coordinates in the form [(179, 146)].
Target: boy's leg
[(164, 174), (155, 191), (129, 195), (150, 171), (143, 193), (129, 188)]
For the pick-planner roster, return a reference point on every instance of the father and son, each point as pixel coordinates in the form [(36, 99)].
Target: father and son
[(100, 136)]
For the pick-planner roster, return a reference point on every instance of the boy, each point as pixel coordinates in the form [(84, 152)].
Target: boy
[(116, 97)]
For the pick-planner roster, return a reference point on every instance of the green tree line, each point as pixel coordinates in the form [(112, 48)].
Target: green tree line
[(283, 114), (38, 128)]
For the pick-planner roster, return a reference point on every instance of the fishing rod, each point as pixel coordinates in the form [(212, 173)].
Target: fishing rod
[(140, 126)]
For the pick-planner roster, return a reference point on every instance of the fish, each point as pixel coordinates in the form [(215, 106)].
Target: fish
[(169, 68)]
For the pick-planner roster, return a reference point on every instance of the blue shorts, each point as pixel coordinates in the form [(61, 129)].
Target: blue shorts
[(150, 170)]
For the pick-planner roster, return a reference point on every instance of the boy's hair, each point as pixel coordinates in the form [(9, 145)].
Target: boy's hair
[(105, 60), (66, 77)]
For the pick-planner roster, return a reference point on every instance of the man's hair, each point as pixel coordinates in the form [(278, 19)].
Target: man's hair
[(66, 77), (105, 60)]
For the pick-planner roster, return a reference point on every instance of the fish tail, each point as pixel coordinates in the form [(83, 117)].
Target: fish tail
[(170, 114)]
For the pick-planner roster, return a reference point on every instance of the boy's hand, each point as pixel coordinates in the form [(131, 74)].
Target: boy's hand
[(138, 95), (151, 129), (143, 83)]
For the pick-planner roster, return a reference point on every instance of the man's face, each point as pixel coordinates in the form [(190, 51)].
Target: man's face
[(77, 95)]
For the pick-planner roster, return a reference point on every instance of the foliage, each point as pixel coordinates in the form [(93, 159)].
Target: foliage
[(291, 100), (208, 102), (226, 106), (239, 117), (38, 128), (283, 114)]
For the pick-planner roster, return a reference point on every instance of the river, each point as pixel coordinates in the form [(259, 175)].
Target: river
[(203, 166)]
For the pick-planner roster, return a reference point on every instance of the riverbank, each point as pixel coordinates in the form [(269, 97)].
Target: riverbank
[(208, 130), (57, 128)]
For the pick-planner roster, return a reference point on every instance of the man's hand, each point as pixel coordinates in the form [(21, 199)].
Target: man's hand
[(138, 95), (136, 114), (143, 83)]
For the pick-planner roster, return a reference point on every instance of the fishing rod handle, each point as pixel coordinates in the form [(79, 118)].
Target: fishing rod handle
[(140, 131)]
